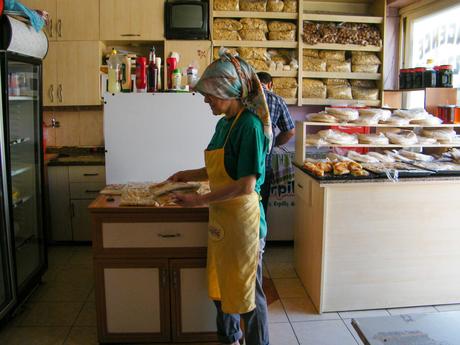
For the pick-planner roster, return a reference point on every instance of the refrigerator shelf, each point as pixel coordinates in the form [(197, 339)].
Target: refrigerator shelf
[(22, 241), (21, 201), (22, 98), (19, 141), (20, 170)]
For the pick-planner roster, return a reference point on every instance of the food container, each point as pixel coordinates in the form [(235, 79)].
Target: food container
[(410, 78), (429, 78), (402, 78), (419, 72), (457, 114), (446, 113), (444, 76)]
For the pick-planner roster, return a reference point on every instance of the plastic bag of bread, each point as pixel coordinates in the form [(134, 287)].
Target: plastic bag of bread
[(216, 51), (284, 82), (252, 35), (313, 88), (277, 25), (395, 121), (282, 36), (253, 53), (321, 117), (381, 114), (429, 121), (280, 58), (253, 5), (337, 137), (336, 82), (337, 55), (368, 84), (402, 138), (328, 32), (259, 65), (254, 24), (367, 120), (314, 64), (365, 68), (338, 66), (227, 24), (361, 158), (275, 5), (311, 34), (311, 53), (374, 139), (339, 92), (226, 5), (316, 140), (365, 94), (137, 195), (440, 134), (226, 35), (412, 114), (350, 113), (290, 6), (290, 92), (364, 58)]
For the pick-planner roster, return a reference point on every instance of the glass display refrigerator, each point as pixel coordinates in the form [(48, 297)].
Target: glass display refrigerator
[(22, 244)]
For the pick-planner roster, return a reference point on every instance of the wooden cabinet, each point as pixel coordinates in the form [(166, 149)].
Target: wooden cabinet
[(72, 189), (71, 73), (131, 20), (150, 266), (67, 18)]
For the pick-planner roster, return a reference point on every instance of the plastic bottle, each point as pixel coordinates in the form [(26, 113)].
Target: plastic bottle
[(176, 79), (192, 73), (141, 75), (158, 64), (126, 82), (152, 73), (114, 72)]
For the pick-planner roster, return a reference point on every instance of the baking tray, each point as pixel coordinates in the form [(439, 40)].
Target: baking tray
[(436, 167), (332, 177), (404, 169)]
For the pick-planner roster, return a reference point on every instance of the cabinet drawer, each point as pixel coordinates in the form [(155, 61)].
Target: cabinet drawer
[(303, 186), (85, 190), (87, 174), (152, 235)]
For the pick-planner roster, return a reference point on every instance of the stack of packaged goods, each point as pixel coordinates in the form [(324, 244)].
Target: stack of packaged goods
[(285, 87)]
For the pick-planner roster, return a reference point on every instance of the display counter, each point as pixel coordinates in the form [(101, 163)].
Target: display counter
[(373, 243), (150, 274)]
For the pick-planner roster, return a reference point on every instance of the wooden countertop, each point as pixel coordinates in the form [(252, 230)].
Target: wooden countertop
[(103, 204)]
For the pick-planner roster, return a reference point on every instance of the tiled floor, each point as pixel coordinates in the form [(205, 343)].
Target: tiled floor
[(62, 310)]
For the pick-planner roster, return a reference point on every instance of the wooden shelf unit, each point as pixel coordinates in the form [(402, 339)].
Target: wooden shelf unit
[(346, 124), (352, 11), (329, 101), (382, 146)]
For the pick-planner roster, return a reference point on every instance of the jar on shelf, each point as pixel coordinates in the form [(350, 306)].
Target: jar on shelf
[(419, 72), (457, 114), (445, 76), (446, 113), (402, 78), (429, 78), (410, 78)]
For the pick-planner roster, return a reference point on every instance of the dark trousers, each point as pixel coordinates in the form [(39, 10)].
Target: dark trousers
[(255, 322), (265, 189)]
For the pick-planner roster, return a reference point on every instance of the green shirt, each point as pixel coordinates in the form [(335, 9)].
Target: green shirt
[(244, 154)]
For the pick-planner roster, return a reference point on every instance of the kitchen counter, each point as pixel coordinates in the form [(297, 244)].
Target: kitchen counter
[(150, 269), (370, 244), (74, 156)]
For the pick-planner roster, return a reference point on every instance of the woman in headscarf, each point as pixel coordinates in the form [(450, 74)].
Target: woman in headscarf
[(235, 168)]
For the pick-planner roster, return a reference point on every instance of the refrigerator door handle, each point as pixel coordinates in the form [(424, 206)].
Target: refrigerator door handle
[(50, 93)]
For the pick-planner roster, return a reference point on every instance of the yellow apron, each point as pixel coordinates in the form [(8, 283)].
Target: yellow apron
[(233, 240)]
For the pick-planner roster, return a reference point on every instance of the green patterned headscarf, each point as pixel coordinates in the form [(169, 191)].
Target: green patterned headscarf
[(230, 77)]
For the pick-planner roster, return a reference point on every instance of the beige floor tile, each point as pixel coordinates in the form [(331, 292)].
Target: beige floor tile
[(448, 307), (80, 274), (289, 288), (49, 314), (302, 309), (276, 313), (279, 254), (413, 310), (282, 334), (59, 255), (51, 273), (281, 270), (82, 336), (353, 331), (329, 332), (82, 256), (34, 335), (62, 292), (363, 313), (87, 316), (92, 296)]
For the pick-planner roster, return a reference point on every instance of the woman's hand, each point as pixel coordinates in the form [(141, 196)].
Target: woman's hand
[(188, 200)]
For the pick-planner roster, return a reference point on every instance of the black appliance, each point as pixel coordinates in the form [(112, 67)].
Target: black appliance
[(187, 19)]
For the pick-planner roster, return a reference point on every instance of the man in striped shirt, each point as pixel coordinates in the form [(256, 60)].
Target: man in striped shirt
[(282, 120)]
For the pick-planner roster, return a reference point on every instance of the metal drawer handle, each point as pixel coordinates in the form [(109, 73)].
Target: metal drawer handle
[(50, 93), (92, 191), (300, 186), (50, 28), (59, 92), (130, 35), (92, 174), (59, 28), (169, 235)]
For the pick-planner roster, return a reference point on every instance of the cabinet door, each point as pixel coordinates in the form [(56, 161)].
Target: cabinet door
[(196, 52), (132, 20), (50, 83), (194, 314), (58, 182), (78, 73), (132, 300), (81, 220), (77, 20), (50, 7)]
